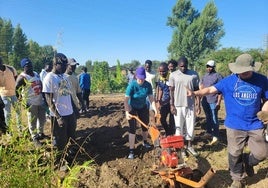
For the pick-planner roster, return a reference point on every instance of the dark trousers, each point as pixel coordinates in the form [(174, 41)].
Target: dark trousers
[(143, 115), (64, 133), (3, 126), (85, 97), (170, 125)]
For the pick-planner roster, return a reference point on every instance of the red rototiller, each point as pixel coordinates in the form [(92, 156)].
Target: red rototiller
[(171, 165)]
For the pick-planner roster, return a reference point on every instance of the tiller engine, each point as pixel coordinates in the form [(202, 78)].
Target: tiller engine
[(172, 167)]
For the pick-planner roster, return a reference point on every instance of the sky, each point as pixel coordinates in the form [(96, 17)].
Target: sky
[(126, 30)]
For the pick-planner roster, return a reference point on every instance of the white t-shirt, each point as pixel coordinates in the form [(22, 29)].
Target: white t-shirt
[(150, 77), (60, 87)]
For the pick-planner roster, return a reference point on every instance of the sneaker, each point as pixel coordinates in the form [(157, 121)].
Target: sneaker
[(131, 155), (248, 168), (146, 145), (192, 151), (37, 143), (214, 141), (42, 136), (238, 184), (206, 136), (82, 111)]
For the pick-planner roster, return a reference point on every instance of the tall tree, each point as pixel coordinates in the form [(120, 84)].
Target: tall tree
[(21, 49), (194, 34), (35, 55), (6, 34), (47, 53)]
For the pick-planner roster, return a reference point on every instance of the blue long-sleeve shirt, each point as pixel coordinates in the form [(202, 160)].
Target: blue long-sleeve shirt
[(84, 81)]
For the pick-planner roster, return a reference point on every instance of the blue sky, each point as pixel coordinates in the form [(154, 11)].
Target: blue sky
[(126, 30)]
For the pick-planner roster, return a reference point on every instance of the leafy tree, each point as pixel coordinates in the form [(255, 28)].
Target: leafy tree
[(89, 66), (6, 34), (35, 55), (222, 58), (47, 54), (118, 82), (21, 49), (194, 34), (259, 56), (100, 77)]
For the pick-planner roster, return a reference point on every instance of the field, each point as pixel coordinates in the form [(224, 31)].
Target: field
[(104, 135)]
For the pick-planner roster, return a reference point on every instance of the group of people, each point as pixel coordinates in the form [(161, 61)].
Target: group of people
[(180, 93), (56, 90)]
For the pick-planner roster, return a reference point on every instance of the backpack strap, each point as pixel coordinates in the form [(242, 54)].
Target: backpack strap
[(11, 69)]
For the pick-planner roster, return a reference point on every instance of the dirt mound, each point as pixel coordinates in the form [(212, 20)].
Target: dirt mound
[(104, 135)]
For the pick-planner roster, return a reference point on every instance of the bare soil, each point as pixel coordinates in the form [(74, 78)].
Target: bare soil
[(103, 133)]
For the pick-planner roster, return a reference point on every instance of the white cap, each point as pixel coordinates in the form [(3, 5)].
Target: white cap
[(211, 63)]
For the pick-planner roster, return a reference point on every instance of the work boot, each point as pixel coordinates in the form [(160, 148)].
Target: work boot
[(192, 151), (37, 143), (146, 145), (238, 184), (42, 136), (248, 168)]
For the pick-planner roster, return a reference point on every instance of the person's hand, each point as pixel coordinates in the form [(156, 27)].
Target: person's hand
[(60, 121), (128, 116), (263, 116), (218, 106), (198, 110), (173, 110), (158, 105), (190, 93)]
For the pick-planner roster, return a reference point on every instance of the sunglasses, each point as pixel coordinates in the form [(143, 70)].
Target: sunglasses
[(209, 66)]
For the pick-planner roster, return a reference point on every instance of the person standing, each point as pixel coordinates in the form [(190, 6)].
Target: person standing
[(151, 78), (244, 93), (182, 106), (150, 74), (172, 65), (45, 70), (130, 75), (85, 84), (135, 104), (57, 89), (29, 88), (211, 103), (8, 76), (3, 126), (76, 93), (163, 99)]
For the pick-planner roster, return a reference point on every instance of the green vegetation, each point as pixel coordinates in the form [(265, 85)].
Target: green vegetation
[(24, 165)]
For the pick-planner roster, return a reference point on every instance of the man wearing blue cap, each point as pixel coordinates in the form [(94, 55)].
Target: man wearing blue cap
[(29, 87)]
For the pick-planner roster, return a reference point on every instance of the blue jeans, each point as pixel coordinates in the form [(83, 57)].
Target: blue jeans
[(212, 120), (8, 101)]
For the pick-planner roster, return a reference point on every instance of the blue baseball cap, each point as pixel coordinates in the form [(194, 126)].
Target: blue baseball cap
[(24, 62)]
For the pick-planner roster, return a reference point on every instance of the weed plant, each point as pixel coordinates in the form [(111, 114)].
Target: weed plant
[(24, 165)]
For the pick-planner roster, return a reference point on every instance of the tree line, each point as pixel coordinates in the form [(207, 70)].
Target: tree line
[(196, 35)]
